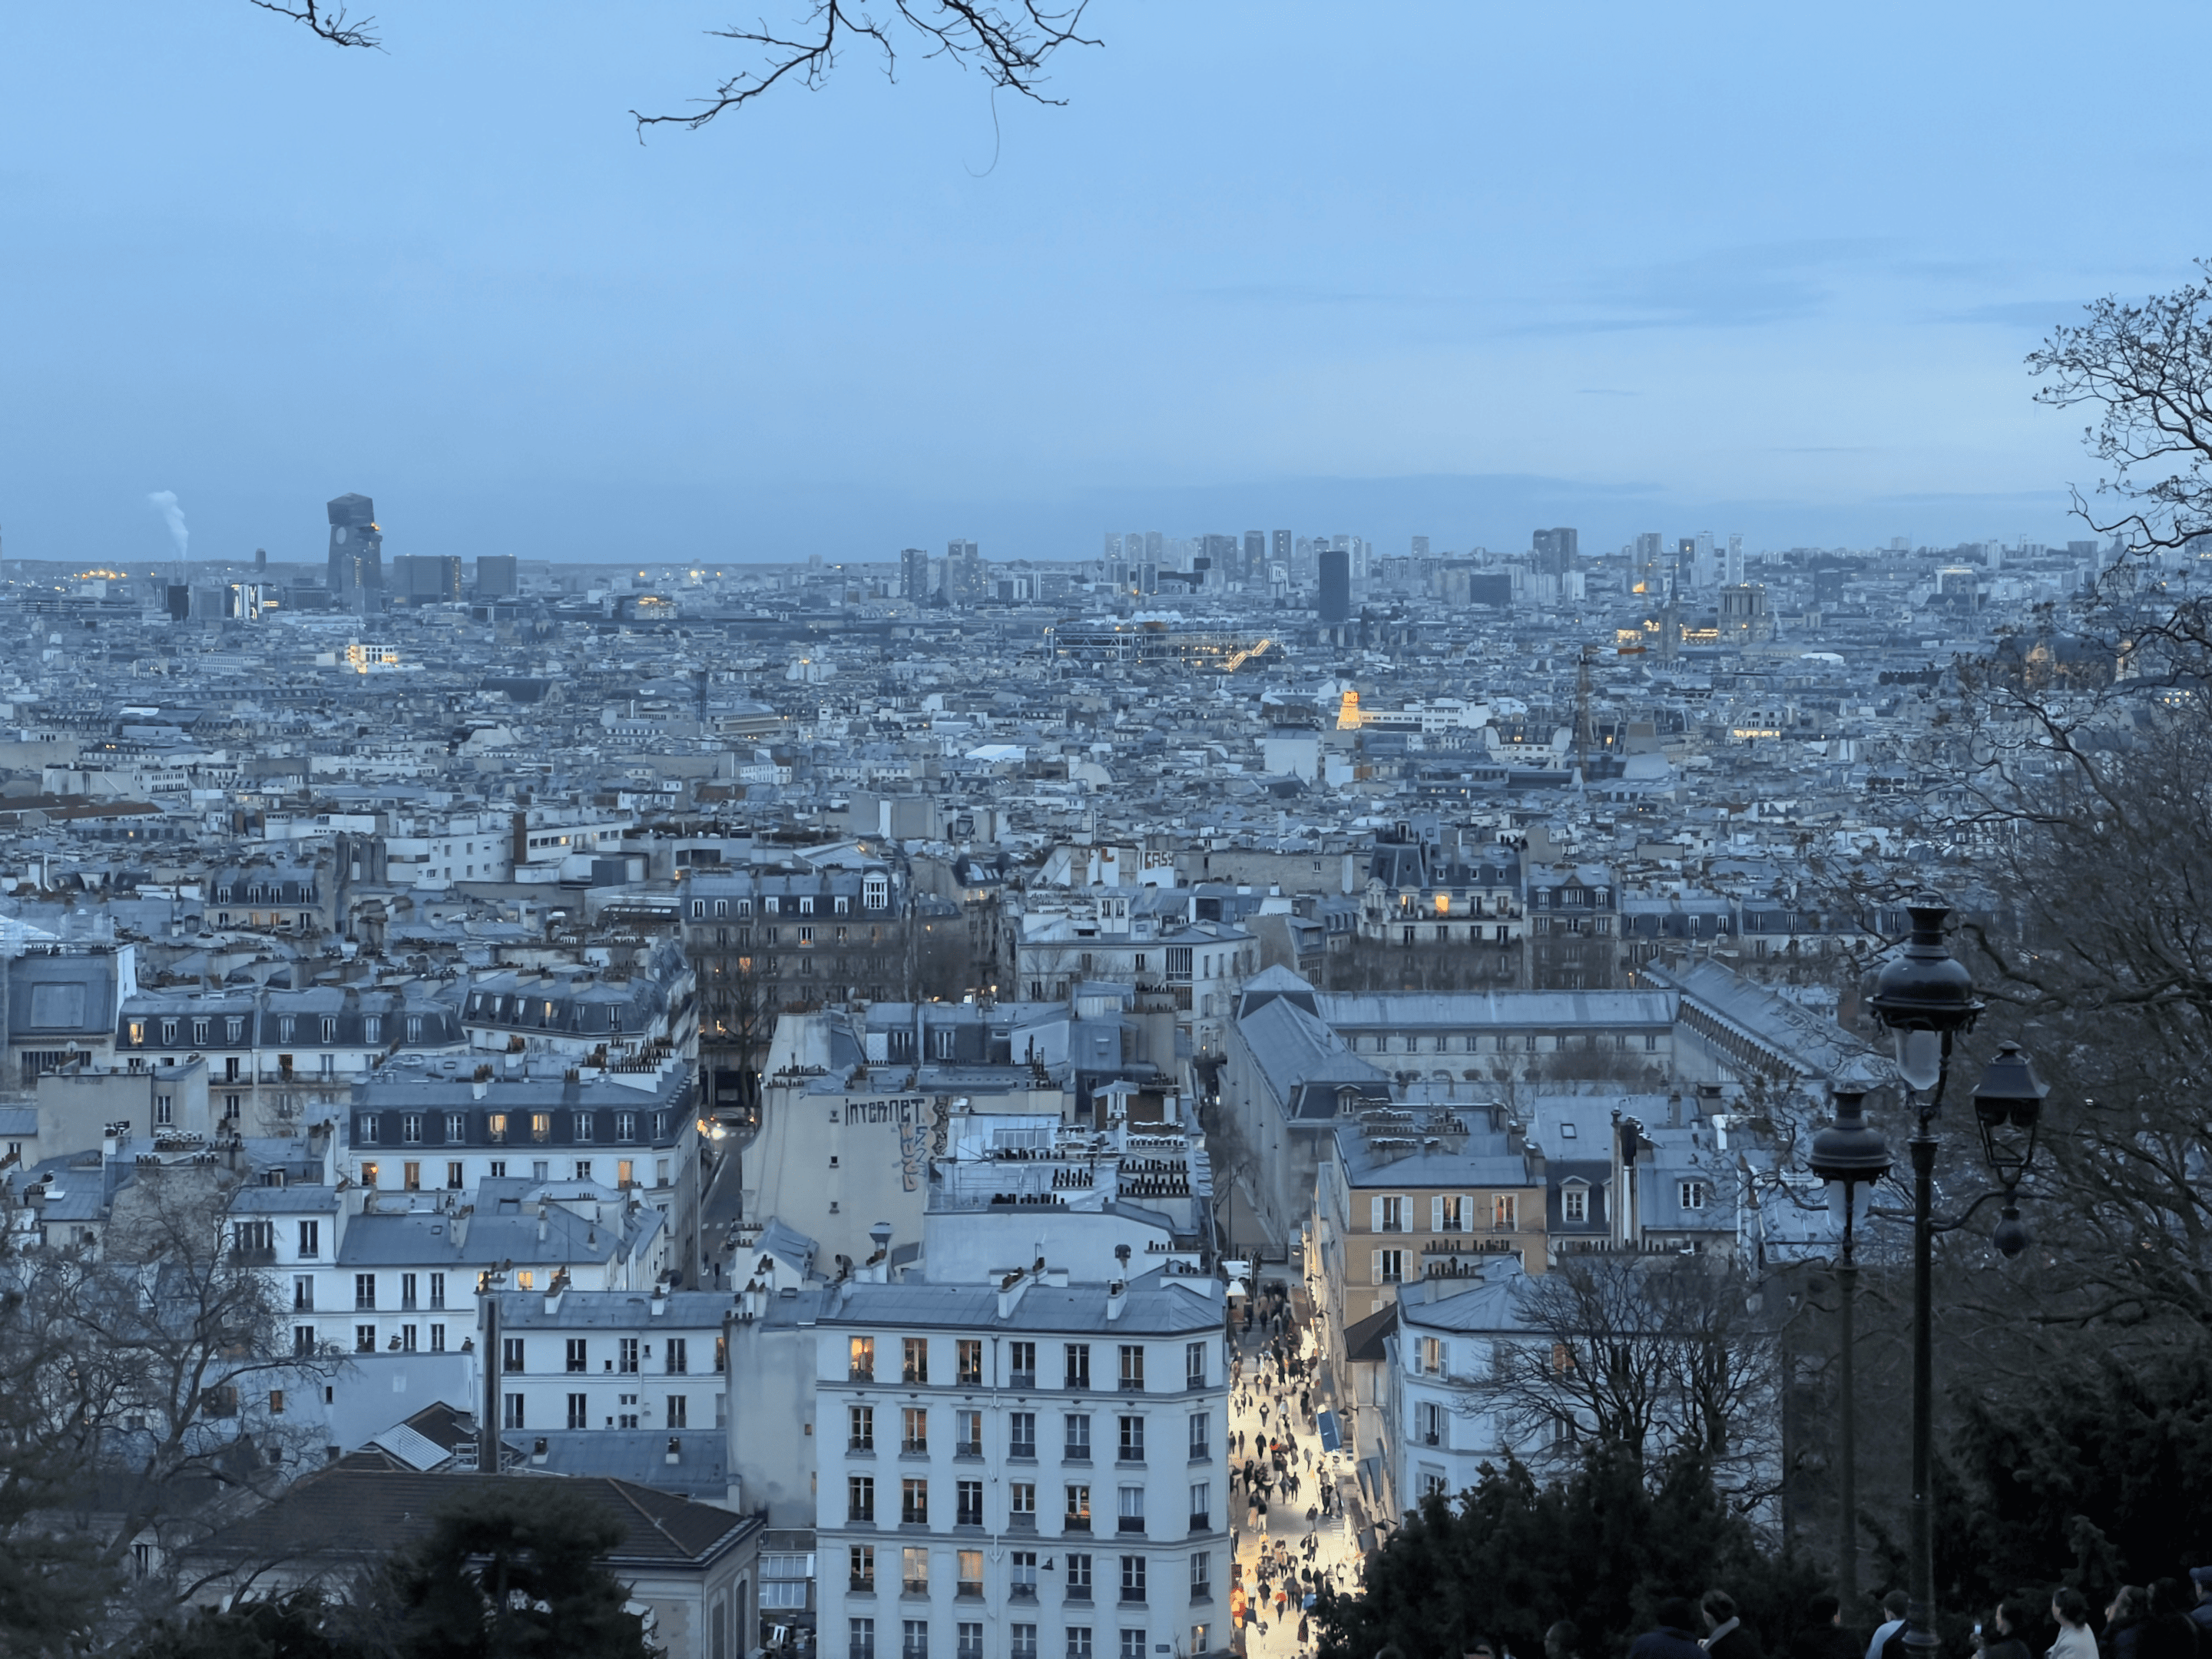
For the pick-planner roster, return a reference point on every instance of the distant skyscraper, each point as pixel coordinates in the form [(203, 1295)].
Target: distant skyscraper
[(1335, 587), (964, 573), (1284, 547), (1736, 561), (1649, 575), (1155, 546), (1219, 553), (1556, 551), (496, 576), (1708, 575), (1420, 547), (427, 578), (1113, 545), (914, 573), (356, 559), (1255, 555)]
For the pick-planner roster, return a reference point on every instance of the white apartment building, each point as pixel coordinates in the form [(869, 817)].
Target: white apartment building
[(1031, 1469), (616, 1360)]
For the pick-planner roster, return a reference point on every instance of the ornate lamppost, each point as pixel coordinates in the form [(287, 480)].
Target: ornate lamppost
[(1926, 998), (1851, 1158)]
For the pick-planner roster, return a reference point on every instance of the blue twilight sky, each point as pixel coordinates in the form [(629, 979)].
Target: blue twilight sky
[(1451, 270)]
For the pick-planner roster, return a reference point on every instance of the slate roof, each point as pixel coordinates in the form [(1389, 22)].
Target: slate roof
[(350, 1513), (1158, 1305)]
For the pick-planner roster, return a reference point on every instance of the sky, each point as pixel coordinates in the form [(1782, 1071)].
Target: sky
[(1455, 270)]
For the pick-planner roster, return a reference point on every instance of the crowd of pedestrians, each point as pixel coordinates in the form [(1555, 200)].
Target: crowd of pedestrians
[(1286, 1509), (2162, 1620)]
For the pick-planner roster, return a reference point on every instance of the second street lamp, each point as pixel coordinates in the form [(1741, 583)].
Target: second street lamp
[(1849, 1156)]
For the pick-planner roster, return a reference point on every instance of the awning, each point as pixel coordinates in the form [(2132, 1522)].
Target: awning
[(1332, 1433)]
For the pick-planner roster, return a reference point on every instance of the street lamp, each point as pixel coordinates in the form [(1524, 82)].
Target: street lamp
[(1926, 998), (1851, 1158)]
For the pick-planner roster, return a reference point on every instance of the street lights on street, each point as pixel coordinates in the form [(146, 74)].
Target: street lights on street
[(1926, 998), (1851, 1158)]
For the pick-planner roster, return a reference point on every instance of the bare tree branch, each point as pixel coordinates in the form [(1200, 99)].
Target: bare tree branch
[(331, 24), (1008, 45)]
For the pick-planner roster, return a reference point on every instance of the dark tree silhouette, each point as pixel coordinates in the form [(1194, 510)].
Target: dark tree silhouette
[(1010, 45)]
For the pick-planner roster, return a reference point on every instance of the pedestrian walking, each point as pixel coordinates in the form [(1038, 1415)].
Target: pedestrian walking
[(1726, 1635), (2070, 1610)]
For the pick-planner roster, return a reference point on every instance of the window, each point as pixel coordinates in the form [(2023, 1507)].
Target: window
[(1201, 1576), (968, 1638), (913, 1429), (310, 1235), (914, 1638), (1132, 1579), (626, 1358), (364, 1292), (914, 1362), (511, 1415), (578, 1353), (365, 1135), (1131, 1446), (199, 1033), (510, 1355), (1504, 1212), (1079, 1365), (1389, 1266), (1694, 1194), (372, 1029), (1133, 1367), (968, 1363), (968, 1566), (495, 1125), (583, 1169), (913, 1503), (1078, 1446), (580, 1411), (1431, 1351), (860, 1428), (968, 1434), (861, 1498), (454, 1177), (1021, 1361), (1078, 1586), (438, 1332), (541, 1126), (1194, 1364), (1021, 1434), (1201, 1506), (364, 1341), (303, 1293), (411, 1176), (625, 1126), (1021, 1505), (862, 1359), (1434, 1485), (410, 1129), (967, 1503), (1387, 1214), (1429, 1424), (1021, 1639), (407, 1287), (1200, 1436), (1079, 1638), (913, 1569), (860, 1635), (1451, 1214), (678, 1356), (1574, 1203), (678, 1409), (1077, 1518), (862, 1569), (1129, 1508), (368, 1175)]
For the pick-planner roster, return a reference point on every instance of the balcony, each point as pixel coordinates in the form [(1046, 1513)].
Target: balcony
[(1021, 1379), (915, 1587), (861, 1374), (971, 1589), (1130, 1523), (1021, 1523), (859, 1587), (1076, 1523), (862, 1445), (915, 1448), (969, 1448), (1021, 1451)]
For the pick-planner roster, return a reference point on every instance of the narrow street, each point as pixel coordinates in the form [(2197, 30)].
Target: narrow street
[(1283, 1552)]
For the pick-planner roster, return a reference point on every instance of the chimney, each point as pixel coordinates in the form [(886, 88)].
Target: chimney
[(1117, 1297)]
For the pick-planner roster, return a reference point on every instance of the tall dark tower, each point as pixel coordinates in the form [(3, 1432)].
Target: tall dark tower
[(357, 562), (1335, 607)]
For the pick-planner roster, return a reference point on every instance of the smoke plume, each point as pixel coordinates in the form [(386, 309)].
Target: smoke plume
[(165, 499)]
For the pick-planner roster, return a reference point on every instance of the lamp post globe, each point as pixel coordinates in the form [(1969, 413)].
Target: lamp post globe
[(1924, 995)]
